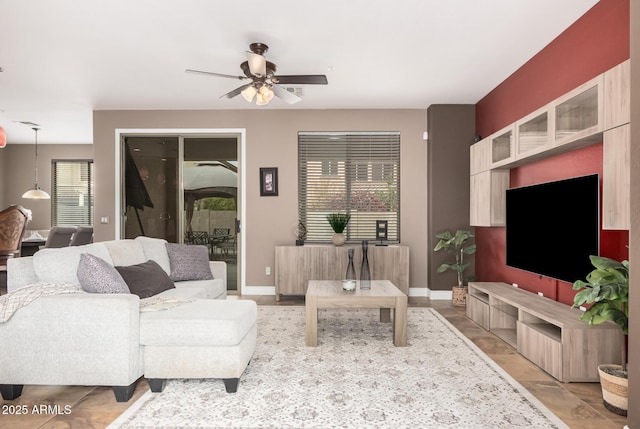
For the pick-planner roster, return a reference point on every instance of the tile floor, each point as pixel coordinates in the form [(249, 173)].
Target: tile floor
[(579, 405)]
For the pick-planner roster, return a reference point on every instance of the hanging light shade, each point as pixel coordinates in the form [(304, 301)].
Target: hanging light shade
[(248, 93), (36, 193)]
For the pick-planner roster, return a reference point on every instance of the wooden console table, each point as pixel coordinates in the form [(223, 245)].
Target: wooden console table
[(546, 332), (296, 265)]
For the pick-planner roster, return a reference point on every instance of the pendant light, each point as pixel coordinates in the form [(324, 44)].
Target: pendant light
[(36, 193)]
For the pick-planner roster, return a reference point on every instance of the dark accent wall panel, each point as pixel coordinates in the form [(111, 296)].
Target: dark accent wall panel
[(451, 130)]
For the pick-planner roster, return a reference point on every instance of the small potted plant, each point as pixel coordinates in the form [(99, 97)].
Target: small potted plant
[(338, 222), (456, 244), (607, 290)]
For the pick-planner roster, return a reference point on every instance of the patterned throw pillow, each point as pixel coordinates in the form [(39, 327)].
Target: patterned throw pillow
[(98, 276), (146, 279), (189, 262)]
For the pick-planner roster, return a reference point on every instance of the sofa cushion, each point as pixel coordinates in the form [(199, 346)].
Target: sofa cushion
[(189, 262), (98, 276), (155, 249), (146, 279), (126, 252), (206, 322), (61, 265)]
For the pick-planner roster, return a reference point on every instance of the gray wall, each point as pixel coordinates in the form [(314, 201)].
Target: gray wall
[(272, 142), (451, 132), (17, 172)]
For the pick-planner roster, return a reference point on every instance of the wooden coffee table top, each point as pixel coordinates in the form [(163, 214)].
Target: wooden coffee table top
[(333, 288)]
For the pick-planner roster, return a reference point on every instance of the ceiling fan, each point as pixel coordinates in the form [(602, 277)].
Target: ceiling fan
[(264, 81)]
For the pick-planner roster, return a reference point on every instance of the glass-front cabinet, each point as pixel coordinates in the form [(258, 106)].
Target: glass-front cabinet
[(533, 134), (579, 113), (502, 147)]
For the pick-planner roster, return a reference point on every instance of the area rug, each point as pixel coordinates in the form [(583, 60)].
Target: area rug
[(355, 378)]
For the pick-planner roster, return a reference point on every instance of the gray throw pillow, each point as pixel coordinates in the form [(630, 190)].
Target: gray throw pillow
[(146, 279), (189, 262), (98, 276)]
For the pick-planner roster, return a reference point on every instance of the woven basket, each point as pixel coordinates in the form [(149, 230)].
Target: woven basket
[(614, 390), (459, 296)]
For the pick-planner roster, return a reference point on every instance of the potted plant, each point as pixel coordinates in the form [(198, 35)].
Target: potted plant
[(338, 222), (456, 244), (607, 290)]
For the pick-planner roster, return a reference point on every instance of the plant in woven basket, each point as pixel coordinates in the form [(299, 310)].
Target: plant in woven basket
[(457, 245), (606, 290)]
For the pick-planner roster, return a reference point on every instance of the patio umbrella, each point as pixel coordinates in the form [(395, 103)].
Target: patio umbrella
[(136, 194)]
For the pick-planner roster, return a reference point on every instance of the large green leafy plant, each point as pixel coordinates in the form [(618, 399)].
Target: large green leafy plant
[(607, 289), (456, 244)]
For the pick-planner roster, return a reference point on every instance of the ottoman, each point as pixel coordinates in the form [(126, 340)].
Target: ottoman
[(207, 338)]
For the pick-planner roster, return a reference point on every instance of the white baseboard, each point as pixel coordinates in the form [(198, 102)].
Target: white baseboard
[(419, 292), (440, 294), (259, 290)]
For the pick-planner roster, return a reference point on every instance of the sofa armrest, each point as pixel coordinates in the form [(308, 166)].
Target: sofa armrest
[(219, 270), (20, 273), (74, 339)]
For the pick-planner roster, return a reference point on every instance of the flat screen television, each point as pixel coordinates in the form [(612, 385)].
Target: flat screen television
[(553, 227)]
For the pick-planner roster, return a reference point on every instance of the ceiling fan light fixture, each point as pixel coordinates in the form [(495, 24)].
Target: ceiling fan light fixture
[(260, 100), (248, 93), (267, 93)]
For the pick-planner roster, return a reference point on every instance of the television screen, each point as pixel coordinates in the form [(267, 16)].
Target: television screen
[(552, 228)]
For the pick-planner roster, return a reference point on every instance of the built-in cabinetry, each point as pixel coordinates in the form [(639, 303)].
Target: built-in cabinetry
[(591, 113), (296, 265), (546, 332)]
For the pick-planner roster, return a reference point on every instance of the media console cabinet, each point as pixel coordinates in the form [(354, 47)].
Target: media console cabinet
[(546, 332), (296, 265)]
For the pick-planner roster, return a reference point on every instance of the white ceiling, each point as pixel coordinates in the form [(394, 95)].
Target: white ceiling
[(62, 59)]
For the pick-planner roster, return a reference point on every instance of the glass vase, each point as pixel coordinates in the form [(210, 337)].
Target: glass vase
[(365, 271), (351, 271)]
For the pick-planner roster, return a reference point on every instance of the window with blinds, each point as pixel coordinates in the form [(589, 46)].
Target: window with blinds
[(72, 195), (353, 172)]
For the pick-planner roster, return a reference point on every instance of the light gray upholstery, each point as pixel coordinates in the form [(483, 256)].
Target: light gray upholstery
[(94, 339)]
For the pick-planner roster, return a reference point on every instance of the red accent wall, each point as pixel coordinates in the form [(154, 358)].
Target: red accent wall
[(598, 41)]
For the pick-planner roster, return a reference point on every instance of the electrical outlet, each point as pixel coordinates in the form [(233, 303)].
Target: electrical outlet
[(583, 308), (514, 284), (267, 271), (540, 294), (104, 219)]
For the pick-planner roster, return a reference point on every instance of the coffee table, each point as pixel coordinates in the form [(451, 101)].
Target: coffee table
[(383, 295)]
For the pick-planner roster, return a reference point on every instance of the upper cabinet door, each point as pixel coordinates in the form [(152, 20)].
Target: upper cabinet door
[(579, 113), (503, 147), (617, 96)]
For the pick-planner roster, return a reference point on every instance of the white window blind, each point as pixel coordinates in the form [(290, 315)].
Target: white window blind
[(72, 196), (354, 172)]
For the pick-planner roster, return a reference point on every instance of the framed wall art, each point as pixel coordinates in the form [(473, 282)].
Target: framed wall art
[(269, 181)]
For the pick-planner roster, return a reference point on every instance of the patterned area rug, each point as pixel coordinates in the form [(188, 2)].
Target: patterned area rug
[(355, 378)]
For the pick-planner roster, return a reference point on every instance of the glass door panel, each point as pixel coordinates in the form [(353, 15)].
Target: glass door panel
[(210, 185)]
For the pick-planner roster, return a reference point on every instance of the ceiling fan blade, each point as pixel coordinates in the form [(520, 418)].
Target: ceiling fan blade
[(285, 95), (236, 91), (310, 79), (206, 73), (257, 64)]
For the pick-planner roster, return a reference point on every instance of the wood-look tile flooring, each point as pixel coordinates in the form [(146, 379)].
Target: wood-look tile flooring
[(579, 405)]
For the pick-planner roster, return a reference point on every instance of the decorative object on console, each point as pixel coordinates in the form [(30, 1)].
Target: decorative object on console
[(338, 222), (456, 244), (365, 271), (300, 231), (36, 193), (349, 282), (607, 288), (382, 231)]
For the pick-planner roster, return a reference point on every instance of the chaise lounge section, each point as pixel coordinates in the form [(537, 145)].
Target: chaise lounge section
[(107, 339)]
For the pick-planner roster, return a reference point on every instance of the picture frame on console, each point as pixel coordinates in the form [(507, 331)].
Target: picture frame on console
[(269, 181)]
